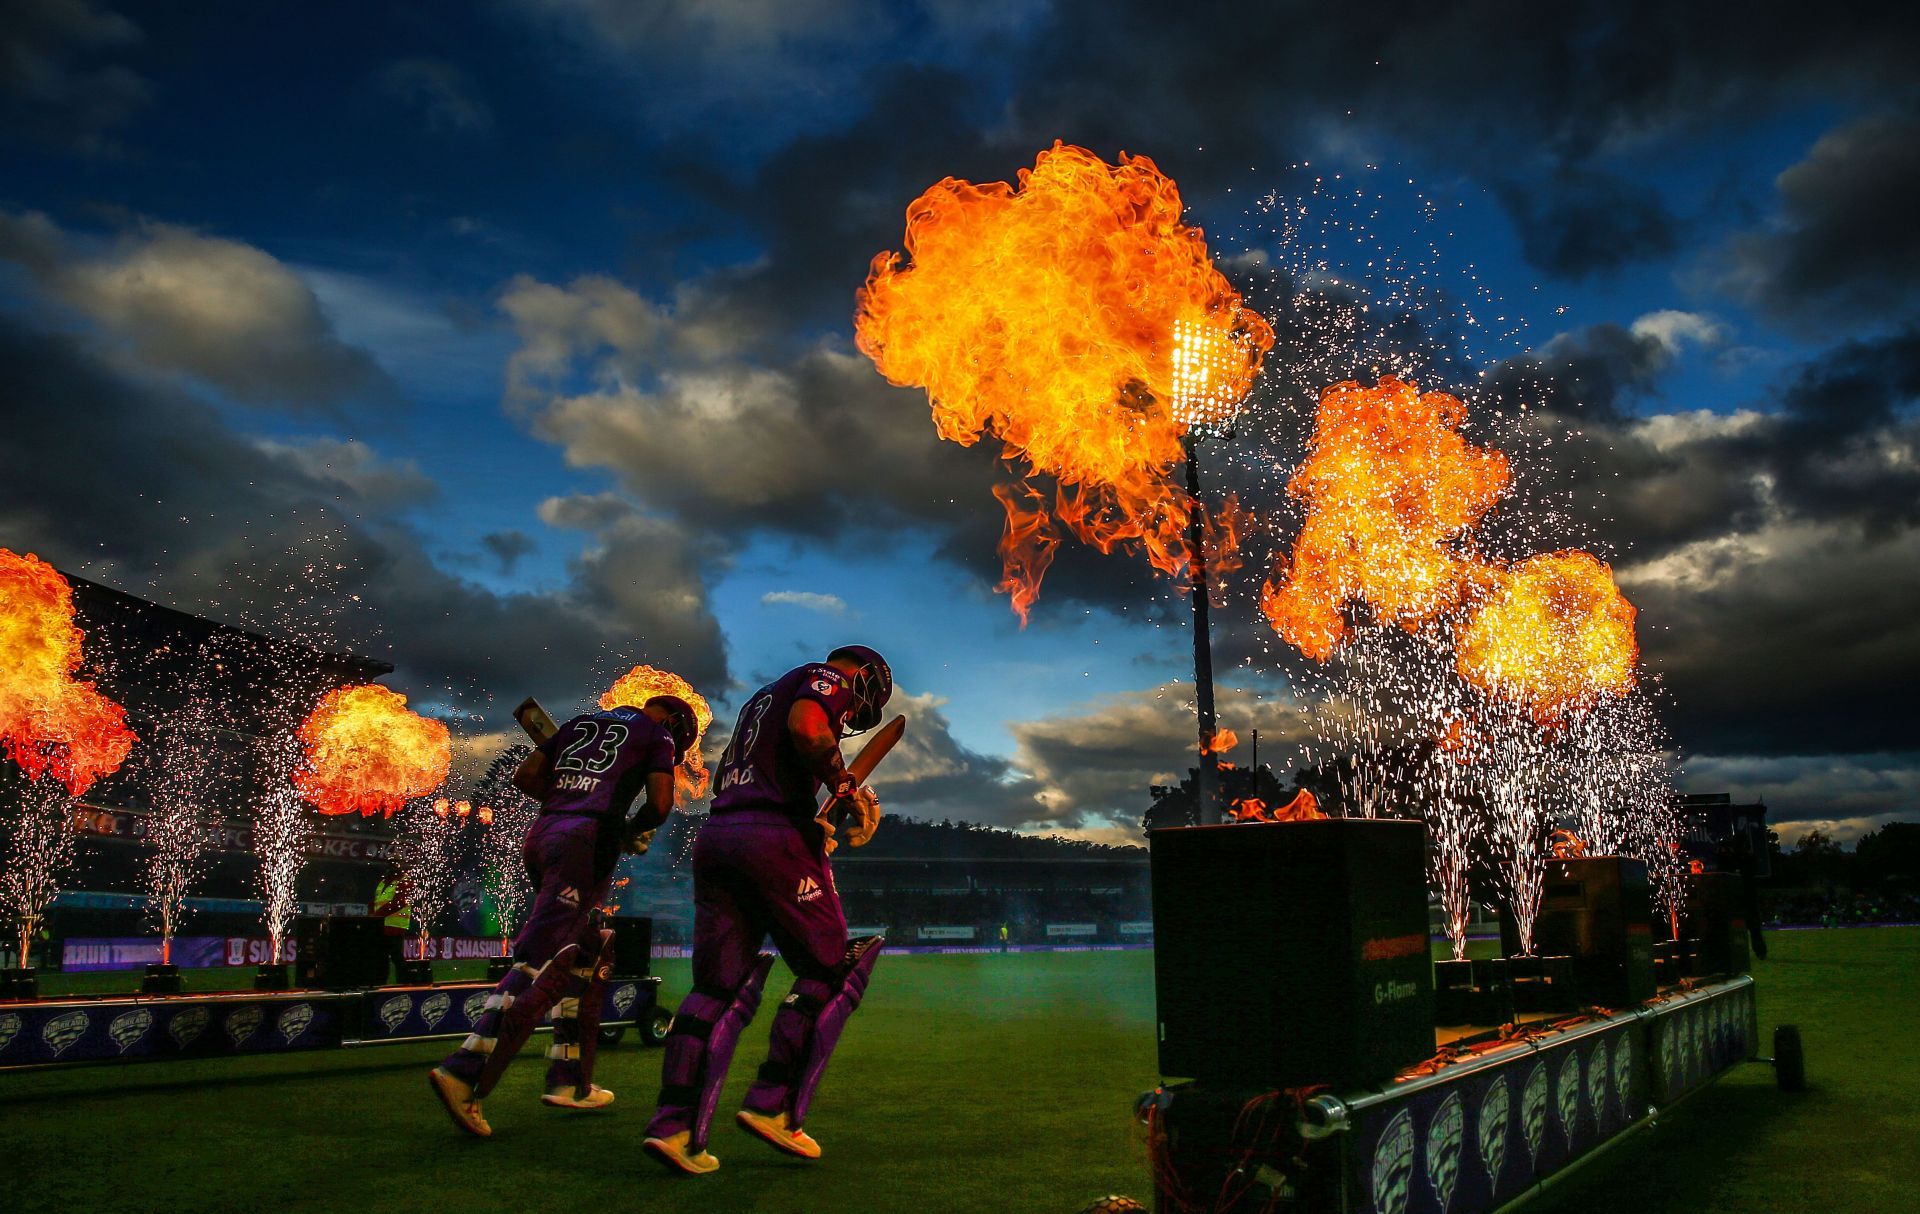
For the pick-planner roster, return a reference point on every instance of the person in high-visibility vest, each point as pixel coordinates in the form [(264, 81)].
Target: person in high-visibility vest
[(395, 915)]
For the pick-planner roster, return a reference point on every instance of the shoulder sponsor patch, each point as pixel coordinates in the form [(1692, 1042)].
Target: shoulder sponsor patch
[(824, 688)]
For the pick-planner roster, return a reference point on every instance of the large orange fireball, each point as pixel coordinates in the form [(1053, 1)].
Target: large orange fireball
[(1554, 636), (1391, 490), (367, 751), (641, 684), (50, 722), (1075, 318)]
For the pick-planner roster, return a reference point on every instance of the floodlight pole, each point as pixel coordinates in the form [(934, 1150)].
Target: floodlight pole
[(1206, 775)]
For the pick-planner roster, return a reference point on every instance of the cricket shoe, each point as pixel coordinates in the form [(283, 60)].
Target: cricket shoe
[(457, 1095), (568, 1097), (674, 1151), (774, 1131)]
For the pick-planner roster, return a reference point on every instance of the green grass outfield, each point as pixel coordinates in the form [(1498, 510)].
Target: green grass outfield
[(967, 1083)]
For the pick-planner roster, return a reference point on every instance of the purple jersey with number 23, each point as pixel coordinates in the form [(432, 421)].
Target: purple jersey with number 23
[(601, 760), (761, 768)]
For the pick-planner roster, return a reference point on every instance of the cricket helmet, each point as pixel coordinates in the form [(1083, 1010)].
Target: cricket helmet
[(681, 723), (872, 686)]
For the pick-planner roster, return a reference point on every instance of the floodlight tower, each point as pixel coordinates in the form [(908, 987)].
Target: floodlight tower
[(1205, 404)]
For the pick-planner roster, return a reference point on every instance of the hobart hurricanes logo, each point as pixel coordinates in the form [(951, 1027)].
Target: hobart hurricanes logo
[(623, 998), (1495, 1125), (242, 1022), (1569, 1094), (294, 1021), (433, 1009), (1445, 1135), (394, 1010), (1623, 1075), (474, 1005), (129, 1027), (9, 1029), (63, 1030), (187, 1025), (1597, 1083), (1533, 1109), (1392, 1173)]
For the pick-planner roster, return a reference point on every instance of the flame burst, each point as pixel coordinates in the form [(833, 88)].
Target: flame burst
[(1221, 742), (641, 684), (50, 722), (1554, 636), (366, 751), (1074, 317), (1391, 490)]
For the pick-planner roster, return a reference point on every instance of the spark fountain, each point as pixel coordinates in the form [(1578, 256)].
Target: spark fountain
[(508, 814), (182, 824)]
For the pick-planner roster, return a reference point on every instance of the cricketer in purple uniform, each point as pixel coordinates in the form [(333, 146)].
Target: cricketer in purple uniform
[(759, 869), (586, 776)]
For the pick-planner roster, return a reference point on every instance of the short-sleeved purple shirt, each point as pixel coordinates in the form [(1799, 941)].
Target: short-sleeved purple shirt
[(600, 763), (761, 767)]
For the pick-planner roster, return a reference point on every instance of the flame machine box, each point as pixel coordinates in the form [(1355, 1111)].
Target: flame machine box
[(1292, 953), (1597, 910)]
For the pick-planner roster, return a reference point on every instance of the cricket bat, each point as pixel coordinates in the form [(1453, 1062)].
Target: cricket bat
[(535, 721), (863, 763)]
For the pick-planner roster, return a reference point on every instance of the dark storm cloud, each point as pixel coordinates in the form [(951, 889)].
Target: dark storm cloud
[(442, 96), (1576, 222), (1843, 250), (507, 547), (218, 310), (60, 78), (143, 487)]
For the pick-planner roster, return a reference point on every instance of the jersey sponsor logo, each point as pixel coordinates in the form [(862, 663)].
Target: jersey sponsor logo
[(808, 891), (569, 895)]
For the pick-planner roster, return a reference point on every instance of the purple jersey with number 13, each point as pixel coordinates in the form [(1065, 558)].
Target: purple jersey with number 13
[(761, 768)]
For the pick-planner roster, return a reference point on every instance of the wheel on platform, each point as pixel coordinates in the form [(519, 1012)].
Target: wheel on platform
[(1113, 1203), (654, 1026), (1789, 1059), (610, 1034)]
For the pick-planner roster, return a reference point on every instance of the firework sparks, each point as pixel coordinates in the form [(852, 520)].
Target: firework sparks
[(508, 813), (1075, 318), (425, 851), (366, 752), (282, 831), (182, 824), (641, 684)]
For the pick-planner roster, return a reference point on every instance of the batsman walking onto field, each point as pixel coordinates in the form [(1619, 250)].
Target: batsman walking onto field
[(760, 868), (585, 776)]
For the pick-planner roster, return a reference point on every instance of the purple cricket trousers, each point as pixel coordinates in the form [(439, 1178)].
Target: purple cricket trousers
[(756, 875), (560, 958)]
